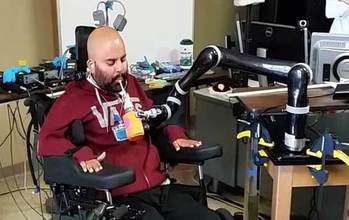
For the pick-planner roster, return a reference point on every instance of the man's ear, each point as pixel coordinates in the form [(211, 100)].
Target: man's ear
[(90, 66)]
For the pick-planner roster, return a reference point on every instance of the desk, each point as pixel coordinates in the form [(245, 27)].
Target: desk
[(6, 96), (320, 99), (216, 122), (219, 74), (206, 79), (159, 95), (285, 178), (288, 174)]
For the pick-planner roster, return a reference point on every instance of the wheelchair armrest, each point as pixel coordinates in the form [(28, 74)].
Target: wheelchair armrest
[(192, 155), (185, 155), (65, 170)]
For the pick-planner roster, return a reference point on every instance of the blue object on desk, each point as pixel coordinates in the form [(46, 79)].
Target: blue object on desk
[(145, 64), (10, 73), (142, 68), (58, 61), (169, 68)]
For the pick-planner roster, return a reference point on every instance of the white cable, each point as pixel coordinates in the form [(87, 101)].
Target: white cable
[(25, 168), (25, 89), (122, 5), (60, 75), (106, 9), (99, 3), (43, 84)]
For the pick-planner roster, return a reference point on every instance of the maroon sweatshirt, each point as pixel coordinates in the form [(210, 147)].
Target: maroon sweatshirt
[(80, 102)]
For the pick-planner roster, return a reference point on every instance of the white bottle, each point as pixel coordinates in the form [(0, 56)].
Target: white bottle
[(186, 53)]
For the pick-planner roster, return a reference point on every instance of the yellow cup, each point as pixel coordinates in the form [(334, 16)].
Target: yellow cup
[(134, 126)]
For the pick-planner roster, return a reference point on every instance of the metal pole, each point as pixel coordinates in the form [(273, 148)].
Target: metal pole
[(202, 185), (251, 195), (109, 197), (306, 53)]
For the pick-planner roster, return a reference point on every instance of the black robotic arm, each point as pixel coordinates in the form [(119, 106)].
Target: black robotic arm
[(296, 75)]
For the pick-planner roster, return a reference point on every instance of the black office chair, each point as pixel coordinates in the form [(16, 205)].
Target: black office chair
[(75, 192)]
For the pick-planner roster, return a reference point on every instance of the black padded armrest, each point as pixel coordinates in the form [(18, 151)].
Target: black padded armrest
[(190, 155), (64, 170), (185, 155)]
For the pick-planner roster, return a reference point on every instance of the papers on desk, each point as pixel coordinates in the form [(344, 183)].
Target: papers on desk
[(170, 76), (156, 83)]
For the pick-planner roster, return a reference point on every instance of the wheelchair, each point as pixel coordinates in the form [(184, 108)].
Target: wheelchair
[(87, 196)]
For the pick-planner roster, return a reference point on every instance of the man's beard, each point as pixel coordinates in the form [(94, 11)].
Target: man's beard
[(111, 86)]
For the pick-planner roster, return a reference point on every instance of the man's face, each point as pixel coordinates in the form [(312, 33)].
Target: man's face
[(110, 68)]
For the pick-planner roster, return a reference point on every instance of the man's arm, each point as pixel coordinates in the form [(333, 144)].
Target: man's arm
[(53, 137), (176, 134), (178, 137)]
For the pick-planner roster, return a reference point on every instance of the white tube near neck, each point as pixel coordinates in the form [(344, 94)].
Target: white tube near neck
[(126, 98)]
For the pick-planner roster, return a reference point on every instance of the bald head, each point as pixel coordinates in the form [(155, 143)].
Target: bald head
[(101, 39), (106, 58)]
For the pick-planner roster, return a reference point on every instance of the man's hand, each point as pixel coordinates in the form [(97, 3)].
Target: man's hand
[(93, 165), (185, 143)]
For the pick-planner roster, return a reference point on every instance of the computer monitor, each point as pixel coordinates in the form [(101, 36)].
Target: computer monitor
[(81, 36), (329, 57), (281, 41)]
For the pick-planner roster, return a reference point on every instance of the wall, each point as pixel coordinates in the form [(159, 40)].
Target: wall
[(154, 27), (27, 32), (212, 21)]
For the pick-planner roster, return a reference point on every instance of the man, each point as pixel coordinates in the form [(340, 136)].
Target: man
[(96, 101)]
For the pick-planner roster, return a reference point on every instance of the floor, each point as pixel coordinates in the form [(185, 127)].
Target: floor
[(23, 203)]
